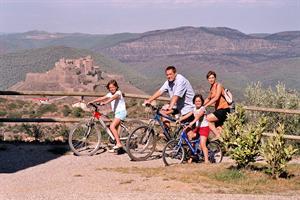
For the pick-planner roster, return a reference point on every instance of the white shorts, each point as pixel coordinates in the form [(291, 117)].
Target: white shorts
[(121, 115)]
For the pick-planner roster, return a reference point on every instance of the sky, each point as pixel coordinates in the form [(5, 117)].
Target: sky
[(137, 16)]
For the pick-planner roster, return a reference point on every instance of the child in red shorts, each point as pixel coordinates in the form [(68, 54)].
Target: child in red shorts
[(201, 125)]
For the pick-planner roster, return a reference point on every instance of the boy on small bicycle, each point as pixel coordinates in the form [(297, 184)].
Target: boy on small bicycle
[(116, 99), (199, 126)]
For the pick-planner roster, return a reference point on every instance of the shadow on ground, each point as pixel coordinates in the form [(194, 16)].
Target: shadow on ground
[(16, 156)]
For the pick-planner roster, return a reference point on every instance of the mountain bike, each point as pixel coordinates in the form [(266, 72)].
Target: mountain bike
[(180, 150), (85, 138), (142, 141)]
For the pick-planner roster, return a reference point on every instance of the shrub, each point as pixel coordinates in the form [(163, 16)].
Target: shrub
[(241, 138), (12, 106), (46, 108), (282, 98), (14, 115), (78, 112), (66, 110), (37, 133), (3, 112), (32, 130), (63, 131), (26, 128), (276, 153), (2, 100), (233, 126)]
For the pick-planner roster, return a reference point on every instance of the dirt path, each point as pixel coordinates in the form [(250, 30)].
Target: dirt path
[(36, 172)]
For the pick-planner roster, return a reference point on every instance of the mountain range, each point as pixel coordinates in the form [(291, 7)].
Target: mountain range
[(237, 58)]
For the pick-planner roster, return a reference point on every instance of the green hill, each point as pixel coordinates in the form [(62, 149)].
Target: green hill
[(39, 39)]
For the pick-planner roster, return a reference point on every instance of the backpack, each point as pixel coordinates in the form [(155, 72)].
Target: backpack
[(227, 96), (229, 99)]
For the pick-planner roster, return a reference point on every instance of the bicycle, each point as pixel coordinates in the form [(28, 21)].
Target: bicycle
[(141, 142), (179, 150), (85, 138)]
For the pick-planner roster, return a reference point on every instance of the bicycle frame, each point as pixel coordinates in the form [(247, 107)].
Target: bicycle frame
[(97, 115), (157, 117), (184, 137)]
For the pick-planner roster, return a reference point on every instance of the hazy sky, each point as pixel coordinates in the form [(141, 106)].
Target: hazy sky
[(115, 16)]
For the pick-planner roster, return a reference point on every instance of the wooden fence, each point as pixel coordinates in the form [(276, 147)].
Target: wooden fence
[(127, 95)]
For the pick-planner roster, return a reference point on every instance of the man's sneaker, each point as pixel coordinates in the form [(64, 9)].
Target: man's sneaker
[(120, 151)]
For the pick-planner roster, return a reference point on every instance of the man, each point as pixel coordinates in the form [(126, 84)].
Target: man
[(180, 92)]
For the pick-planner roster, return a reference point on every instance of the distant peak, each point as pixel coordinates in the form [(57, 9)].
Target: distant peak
[(36, 32)]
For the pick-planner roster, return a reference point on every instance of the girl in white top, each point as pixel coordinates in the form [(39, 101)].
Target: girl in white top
[(199, 126), (116, 99)]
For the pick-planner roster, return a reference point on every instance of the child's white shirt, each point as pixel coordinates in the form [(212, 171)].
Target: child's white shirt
[(117, 105), (203, 122)]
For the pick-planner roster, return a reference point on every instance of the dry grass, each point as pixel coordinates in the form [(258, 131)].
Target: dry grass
[(126, 181), (222, 178)]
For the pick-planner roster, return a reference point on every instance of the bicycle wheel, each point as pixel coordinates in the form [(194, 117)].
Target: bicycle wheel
[(85, 138), (215, 154), (173, 153), (132, 124), (141, 143)]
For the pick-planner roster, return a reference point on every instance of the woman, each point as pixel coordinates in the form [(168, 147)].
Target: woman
[(215, 97)]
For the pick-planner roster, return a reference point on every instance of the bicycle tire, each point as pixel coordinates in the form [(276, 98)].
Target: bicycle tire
[(141, 143), (85, 139), (173, 154), (132, 124), (215, 154)]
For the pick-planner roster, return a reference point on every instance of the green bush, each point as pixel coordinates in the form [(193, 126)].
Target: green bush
[(276, 153), (43, 109), (233, 127), (46, 108), (2, 100), (241, 138), (66, 110), (12, 106), (282, 98), (78, 112), (12, 114), (63, 131), (3, 112)]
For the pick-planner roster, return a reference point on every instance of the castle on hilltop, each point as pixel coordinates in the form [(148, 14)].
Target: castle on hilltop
[(73, 75), (67, 75), (84, 65)]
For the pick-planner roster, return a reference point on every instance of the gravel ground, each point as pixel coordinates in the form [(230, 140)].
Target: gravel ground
[(32, 172)]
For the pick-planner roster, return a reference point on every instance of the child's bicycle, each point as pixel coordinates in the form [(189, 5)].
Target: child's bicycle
[(142, 141), (85, 138), (180, 150)]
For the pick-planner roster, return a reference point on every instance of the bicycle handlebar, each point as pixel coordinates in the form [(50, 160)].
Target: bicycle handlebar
[(154, 108), (93, 105)]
